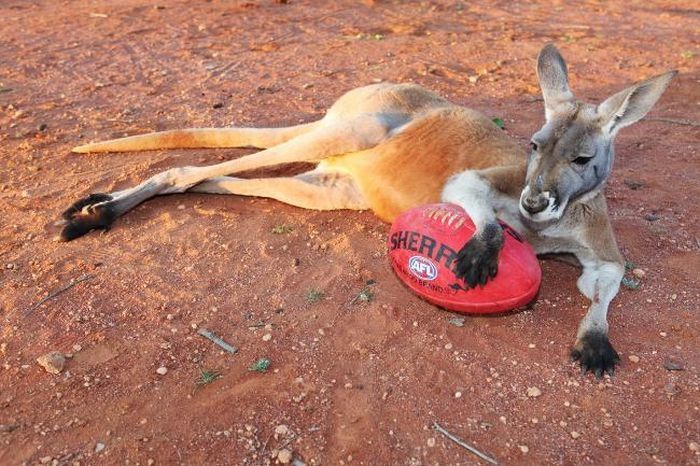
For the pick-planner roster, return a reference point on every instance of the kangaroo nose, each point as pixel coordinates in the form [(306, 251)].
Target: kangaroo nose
[(535, 204)]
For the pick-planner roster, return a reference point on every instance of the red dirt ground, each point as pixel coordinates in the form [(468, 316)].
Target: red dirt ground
[(356, 383)]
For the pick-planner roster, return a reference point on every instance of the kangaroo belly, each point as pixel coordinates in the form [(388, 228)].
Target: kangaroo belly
[(412, 167)]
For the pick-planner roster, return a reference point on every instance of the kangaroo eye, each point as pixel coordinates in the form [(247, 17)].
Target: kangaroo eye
[(533, 145), (581, 160)]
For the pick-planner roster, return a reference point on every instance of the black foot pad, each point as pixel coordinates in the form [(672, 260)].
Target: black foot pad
[(90, 213), (477, 261), (594, 353)]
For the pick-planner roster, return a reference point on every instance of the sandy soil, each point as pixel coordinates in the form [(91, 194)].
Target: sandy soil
[(355, 383)]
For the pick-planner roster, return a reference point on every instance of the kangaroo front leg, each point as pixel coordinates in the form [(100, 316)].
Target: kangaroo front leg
[(478, 194), (600, 283)]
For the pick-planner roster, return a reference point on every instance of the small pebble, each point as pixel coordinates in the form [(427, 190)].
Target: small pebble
[(448, 346), (52, 362), (663, 334), (431, 442), (458, 394), (694, 446), (181, 207), (672, 389), (524, 448), (99, 447), (533, 392), (575, 434), (284, 456), (670, 365), (639, 273), (281, 429), (633, 358), (162, 370), (267, 337)]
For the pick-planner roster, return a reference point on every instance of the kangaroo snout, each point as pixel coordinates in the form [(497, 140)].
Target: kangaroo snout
[(539, 206), (535, 204)]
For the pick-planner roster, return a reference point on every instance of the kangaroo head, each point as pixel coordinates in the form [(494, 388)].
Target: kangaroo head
[(572, 154)]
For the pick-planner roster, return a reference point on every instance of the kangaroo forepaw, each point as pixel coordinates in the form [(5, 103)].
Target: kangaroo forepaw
[(477, 261), (95, 211), (594, 353)]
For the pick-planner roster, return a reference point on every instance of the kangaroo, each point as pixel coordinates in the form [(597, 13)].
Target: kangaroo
[(390, 147)]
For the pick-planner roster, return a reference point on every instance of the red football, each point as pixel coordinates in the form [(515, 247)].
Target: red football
[(423, 243)]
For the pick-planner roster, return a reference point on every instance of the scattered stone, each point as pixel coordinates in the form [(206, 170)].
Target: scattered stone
[(99, 447), (633, 358), (532, 345), (456, 321), (281, 430), (672, 389), (448, 346), (284, 456), (52, 362), (575, 434), (45, 459), (639, 273), (218, 105), (77, 348), (651, 217), (458, 394), (694, 446), (524, 448), (181, 207), (431, 442), (7, 428), (633, 184), (533, 392), (162, 370), (670, 365), (267, 337)]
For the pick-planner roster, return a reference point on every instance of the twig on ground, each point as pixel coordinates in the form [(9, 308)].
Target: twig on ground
[(212, 337), (58, 292), (459, 442), (677, 121)]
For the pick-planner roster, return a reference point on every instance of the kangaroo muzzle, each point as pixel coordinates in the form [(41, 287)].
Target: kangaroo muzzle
[(539, 206)]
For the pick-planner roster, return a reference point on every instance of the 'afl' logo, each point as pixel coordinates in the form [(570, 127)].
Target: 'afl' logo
[(422, 268)]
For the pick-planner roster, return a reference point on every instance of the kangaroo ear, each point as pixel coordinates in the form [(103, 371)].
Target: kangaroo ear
[(629, 106), (554, 82)]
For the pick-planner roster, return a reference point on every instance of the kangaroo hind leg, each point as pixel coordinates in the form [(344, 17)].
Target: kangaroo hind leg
[(316, 190), (325, 141)]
